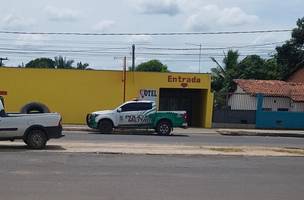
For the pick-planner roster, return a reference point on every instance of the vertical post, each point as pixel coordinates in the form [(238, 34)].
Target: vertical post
[(124, 78), (259, 102), (133, 57)]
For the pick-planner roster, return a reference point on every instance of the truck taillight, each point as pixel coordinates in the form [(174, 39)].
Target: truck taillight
[(185, 116)]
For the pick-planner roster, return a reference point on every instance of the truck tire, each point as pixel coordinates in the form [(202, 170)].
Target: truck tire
[(34, 107), (105, 126), (164, 127), (36, 139)]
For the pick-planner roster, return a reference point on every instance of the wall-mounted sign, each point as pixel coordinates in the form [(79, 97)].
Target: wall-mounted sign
[(148, 94), (184, 81), (3, 93)]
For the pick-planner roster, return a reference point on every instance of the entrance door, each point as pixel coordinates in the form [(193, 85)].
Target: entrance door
[(190, 100)]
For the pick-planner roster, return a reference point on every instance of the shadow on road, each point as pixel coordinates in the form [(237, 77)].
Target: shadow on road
[(24, 148), (138, 132)]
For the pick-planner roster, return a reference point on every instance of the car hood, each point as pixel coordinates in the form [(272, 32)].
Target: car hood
[(103, 112)]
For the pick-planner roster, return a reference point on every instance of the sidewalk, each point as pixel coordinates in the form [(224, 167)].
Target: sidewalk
[(261, 132), (229, 132)]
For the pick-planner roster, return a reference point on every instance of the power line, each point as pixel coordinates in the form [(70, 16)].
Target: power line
[(147, 34), (212, 48)]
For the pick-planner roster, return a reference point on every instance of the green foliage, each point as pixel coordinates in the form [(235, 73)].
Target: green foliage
[(82, 66), (41, 63), (222, 76), (251, 67), (255, 67), (63, 63), (290, 56), (59, 62), (152, 66)]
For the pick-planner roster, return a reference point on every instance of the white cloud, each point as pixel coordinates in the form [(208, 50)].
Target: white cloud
[(62, 14), (11, 21), (211, 16), (104, 25), (167, 7)]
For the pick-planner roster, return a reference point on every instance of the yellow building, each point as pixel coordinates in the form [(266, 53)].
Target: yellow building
[(74, 93)]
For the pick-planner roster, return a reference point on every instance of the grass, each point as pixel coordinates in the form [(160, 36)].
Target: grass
[(291, 151)]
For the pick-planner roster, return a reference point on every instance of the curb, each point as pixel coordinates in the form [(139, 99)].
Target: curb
[(264, 134)]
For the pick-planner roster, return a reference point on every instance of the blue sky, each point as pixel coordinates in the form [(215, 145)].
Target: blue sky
[(105, 52)]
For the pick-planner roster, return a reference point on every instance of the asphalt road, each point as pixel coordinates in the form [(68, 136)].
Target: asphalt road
[(187, 139), (42, 175)]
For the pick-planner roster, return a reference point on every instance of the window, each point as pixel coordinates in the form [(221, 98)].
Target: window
[(136, 107)]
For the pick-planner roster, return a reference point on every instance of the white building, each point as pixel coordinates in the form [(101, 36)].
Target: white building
[(278, 95)]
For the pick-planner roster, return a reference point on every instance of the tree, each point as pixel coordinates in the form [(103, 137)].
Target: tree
[(82, 66), (63, 63), (152, 66), (222, 76), (290, 56), (255, 67), (41, 63), (251, 67)]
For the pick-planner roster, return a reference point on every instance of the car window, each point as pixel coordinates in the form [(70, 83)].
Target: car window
[(136, 107)]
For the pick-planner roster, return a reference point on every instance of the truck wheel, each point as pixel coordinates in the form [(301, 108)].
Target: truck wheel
[(36, 139), (105, 126), (164, 127)]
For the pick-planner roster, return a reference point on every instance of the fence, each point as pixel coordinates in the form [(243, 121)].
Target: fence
[(236, 110), (284, 118), (240, 110)]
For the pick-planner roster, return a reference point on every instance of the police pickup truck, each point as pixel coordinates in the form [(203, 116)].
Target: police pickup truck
[(137, 114), (34, 129)]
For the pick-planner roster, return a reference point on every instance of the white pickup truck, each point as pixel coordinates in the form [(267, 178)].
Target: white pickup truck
[(34, 129), (137, 114)]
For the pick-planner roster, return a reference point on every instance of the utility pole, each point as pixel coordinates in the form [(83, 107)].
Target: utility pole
[(133, 57), (1, 61), (124, 78)]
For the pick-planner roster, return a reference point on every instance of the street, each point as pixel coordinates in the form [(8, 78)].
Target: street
[(62, 175), (182, 138), (41, 175)]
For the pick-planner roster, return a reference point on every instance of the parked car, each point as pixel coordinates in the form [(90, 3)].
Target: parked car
[(34, 129), (137, 114)]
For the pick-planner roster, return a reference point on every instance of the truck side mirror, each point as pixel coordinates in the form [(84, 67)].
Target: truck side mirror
[(119, 110)]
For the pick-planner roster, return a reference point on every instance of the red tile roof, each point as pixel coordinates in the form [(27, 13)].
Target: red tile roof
[(295, 91)]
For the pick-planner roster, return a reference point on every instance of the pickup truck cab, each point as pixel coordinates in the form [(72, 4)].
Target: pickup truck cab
[(137, 114), (34, 129)]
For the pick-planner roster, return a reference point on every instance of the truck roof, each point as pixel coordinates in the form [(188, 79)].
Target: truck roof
[(140, 101)]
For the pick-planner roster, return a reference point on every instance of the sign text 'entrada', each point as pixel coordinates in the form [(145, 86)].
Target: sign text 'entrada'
[(184, 81)]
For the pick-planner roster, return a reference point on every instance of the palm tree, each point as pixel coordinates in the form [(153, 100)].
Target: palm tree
[(63, 63), (223, 75), (82, 66)]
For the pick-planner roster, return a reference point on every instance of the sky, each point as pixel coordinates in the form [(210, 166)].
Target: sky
[(179, 53)]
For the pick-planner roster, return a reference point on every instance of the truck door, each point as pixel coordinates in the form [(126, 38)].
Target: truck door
[(8, 128), (135, 114)]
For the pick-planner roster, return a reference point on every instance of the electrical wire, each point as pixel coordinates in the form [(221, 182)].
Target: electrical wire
[(146, 34)]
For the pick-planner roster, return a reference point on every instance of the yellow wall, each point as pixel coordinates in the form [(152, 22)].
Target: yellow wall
[(74, 93)]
